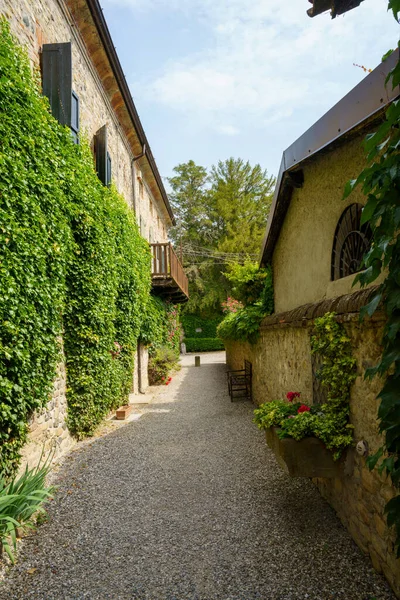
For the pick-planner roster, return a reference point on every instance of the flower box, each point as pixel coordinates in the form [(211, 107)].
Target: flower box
[(308, 457), (123, 412)]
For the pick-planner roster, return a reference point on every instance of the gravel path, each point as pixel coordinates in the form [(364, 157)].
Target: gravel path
[(188, 503)]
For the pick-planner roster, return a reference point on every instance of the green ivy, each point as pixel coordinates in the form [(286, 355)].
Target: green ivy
[(329, 421), (244, 324), (160, 326), (108, 283), (380, 182), (34, 250), (73, 266)]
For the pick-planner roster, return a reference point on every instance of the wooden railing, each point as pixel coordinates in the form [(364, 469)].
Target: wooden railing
[(166, 264)]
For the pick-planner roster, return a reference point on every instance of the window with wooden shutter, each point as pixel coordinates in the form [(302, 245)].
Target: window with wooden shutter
[(57, 85), (103, 158), (57, 80)]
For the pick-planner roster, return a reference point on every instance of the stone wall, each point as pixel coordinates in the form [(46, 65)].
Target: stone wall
[(282, 362), (48, 431), (39, 22)]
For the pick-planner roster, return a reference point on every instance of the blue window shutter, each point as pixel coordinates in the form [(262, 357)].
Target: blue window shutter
[(57, 80), (108, 171), (75, 118)]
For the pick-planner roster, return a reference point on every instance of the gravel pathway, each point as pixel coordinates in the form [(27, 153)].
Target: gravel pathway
[(187, 503)]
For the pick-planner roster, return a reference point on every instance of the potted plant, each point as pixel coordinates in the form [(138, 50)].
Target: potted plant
[(308, 441)]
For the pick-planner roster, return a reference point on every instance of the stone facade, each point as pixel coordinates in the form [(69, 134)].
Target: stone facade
[(101, 102), (49, 21), (282, 362), (48, 431)]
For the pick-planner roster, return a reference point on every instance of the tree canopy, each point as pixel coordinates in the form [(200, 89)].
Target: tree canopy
[(221, 217)]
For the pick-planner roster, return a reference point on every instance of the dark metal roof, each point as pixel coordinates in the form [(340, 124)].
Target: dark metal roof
[(337, 7), (366, 101), (105, 36)]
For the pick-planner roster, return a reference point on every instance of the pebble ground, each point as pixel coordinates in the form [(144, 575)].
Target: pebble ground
[(187, 503)]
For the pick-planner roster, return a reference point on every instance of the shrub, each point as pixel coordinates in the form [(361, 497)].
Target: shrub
[(244, 325), (249, 282), (203, 344), (192, 322), (161, 363)]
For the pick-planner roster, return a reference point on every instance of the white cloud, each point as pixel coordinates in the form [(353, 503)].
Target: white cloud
[(228, 130), (265, 60)]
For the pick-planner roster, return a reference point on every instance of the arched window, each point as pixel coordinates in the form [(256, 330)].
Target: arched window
[(352, 240)]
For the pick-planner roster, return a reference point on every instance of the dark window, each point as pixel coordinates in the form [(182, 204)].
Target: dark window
[(57, 85), (103, 158), (75, 118), (57, 80), (352, 240)]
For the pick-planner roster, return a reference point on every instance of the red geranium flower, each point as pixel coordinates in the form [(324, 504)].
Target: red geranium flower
[(303, 408), (292, 395)]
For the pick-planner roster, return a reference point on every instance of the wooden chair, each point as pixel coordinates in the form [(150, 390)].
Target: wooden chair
[(240, 381)]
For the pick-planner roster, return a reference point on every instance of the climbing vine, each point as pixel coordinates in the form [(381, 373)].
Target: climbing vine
[(73, 266), (34, 249), (243, 324), (380, 182), (328, 421)]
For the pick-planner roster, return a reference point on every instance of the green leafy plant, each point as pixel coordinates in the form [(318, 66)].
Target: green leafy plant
[(161, 363), (35, 244), (203, 344), (243, 325), (250, 283), (329, 421), (20, 500), (380, 182)]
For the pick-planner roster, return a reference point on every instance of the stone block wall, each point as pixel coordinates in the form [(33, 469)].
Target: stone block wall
[(281, 362), (48, 431)]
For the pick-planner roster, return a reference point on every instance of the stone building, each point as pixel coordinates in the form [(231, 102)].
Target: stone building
[(69, 43), (315, 243)]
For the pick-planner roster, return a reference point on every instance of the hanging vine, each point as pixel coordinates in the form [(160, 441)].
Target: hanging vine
[(380, 182)]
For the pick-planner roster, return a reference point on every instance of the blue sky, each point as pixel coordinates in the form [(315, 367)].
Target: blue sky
[(218, 78)]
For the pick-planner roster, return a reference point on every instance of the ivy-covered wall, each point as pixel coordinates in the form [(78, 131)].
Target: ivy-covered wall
[(73, 266)]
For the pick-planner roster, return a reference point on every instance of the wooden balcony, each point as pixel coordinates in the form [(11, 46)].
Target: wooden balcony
[(168, 277)]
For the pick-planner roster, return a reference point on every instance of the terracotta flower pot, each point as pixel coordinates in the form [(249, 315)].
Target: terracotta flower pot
[(123, 412)]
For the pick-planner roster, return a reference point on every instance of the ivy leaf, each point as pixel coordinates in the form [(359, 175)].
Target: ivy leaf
[(372, 460), (369, 209), (386, 55), (371, 307), (349, 187)]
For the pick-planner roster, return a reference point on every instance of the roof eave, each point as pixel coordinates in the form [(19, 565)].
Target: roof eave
[(358, 107), (106, 40)]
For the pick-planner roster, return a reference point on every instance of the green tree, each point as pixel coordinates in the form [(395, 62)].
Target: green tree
[(188, 200), (221, 220), (241, 197)]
